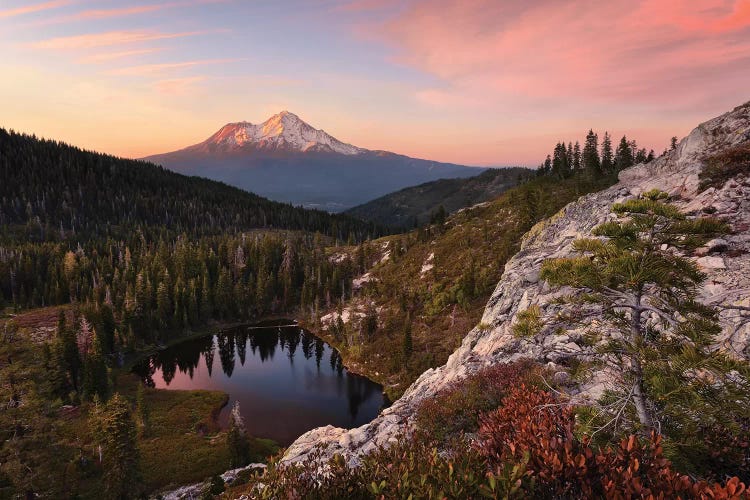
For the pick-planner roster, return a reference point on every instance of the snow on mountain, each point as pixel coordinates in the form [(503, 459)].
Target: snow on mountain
[(284, 131)]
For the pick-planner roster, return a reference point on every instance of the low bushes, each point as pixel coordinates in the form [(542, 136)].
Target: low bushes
[(725, 165), (456, 409), (531, 427), (523, 447)]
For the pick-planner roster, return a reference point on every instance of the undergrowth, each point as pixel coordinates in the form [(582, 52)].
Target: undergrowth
[(525, 447), (725, 165)]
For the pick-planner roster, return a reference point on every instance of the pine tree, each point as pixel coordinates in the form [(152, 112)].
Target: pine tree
[(237, 439), (560, 167), (407, 346), (71, 357), (633, 278), (607, 161), (163, 304), (590, 157), (105, 329), (577, 157), (142, 410), (116, 433), (673, 143), (95, 375), (624, 154)]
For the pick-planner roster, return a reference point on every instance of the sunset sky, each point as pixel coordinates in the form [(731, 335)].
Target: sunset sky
[(476, 82)]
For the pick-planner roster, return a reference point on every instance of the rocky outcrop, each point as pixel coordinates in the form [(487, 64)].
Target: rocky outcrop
[(726, 263), (195, 491)]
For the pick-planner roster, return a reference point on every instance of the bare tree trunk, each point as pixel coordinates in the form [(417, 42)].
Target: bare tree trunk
[(639, 398)]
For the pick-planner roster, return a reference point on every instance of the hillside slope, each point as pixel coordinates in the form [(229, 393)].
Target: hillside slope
[(52, 190), (493, 341), (414, 205), (433, 283)]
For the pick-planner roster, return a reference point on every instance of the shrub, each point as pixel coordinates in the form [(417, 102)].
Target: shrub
[(409, 469), (532, 427), (725, 165), (526, 448), (529, 322), (456, 409)]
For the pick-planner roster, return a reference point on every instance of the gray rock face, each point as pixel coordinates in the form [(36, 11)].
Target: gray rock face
[(728, 283)]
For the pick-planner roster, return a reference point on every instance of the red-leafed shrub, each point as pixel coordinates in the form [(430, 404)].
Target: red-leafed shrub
[(532, 427), (456, 409)]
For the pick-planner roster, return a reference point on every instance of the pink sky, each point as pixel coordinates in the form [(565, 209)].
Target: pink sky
[(469, 81)]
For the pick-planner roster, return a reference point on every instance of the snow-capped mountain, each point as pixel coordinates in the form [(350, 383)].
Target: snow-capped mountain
[(284, 131), (288, 160)]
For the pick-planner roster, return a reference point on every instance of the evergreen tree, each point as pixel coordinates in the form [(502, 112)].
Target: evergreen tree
[(633, 277), (115, 431), (237, 439), (560, 167), (105, 329), (71, 358), (624, 155), (95, 375), (163, 304), (56, 383), (673, 143), (577, 157), (142, 410), (641, 156), (407, 346), (607, 160), (590, 157)]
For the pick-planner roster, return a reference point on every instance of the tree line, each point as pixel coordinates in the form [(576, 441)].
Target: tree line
[(52, 192), (595, 160)]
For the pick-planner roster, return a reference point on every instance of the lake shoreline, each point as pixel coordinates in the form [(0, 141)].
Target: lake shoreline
[(276, 399)]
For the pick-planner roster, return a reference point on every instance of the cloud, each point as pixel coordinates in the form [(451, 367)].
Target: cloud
[(178, 86), (96, 14), (517, 53), (110, 38), (110, 56), (151, 69), (30, 9)]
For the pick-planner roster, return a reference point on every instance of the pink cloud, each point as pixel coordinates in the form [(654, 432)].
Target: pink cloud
[(151, 69), (30, 9), (94, 14), (682, 52), (109, 38), (111, 56), (178, 86)]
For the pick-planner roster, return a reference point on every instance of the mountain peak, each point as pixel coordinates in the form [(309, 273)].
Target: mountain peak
[(284, 131)]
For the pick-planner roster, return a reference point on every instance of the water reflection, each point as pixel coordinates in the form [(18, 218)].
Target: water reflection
[(279, 375)]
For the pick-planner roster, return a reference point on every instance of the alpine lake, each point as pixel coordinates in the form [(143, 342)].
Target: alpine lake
[(287, 381)]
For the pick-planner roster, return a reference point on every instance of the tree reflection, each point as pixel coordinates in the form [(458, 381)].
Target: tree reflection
[(185, 358), (226, 353)]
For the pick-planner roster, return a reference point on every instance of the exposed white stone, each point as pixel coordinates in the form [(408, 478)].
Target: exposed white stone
[(728, 283), (711, 263)]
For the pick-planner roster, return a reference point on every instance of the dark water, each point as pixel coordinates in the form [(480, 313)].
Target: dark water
[(286, 380)]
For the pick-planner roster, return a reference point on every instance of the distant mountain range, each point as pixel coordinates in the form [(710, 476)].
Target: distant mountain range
[(415, 204), (287, 160)]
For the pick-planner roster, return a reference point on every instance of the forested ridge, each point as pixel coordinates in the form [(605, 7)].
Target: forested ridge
[(53, 191), (413, 206), (142, 254), (134, 257)]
